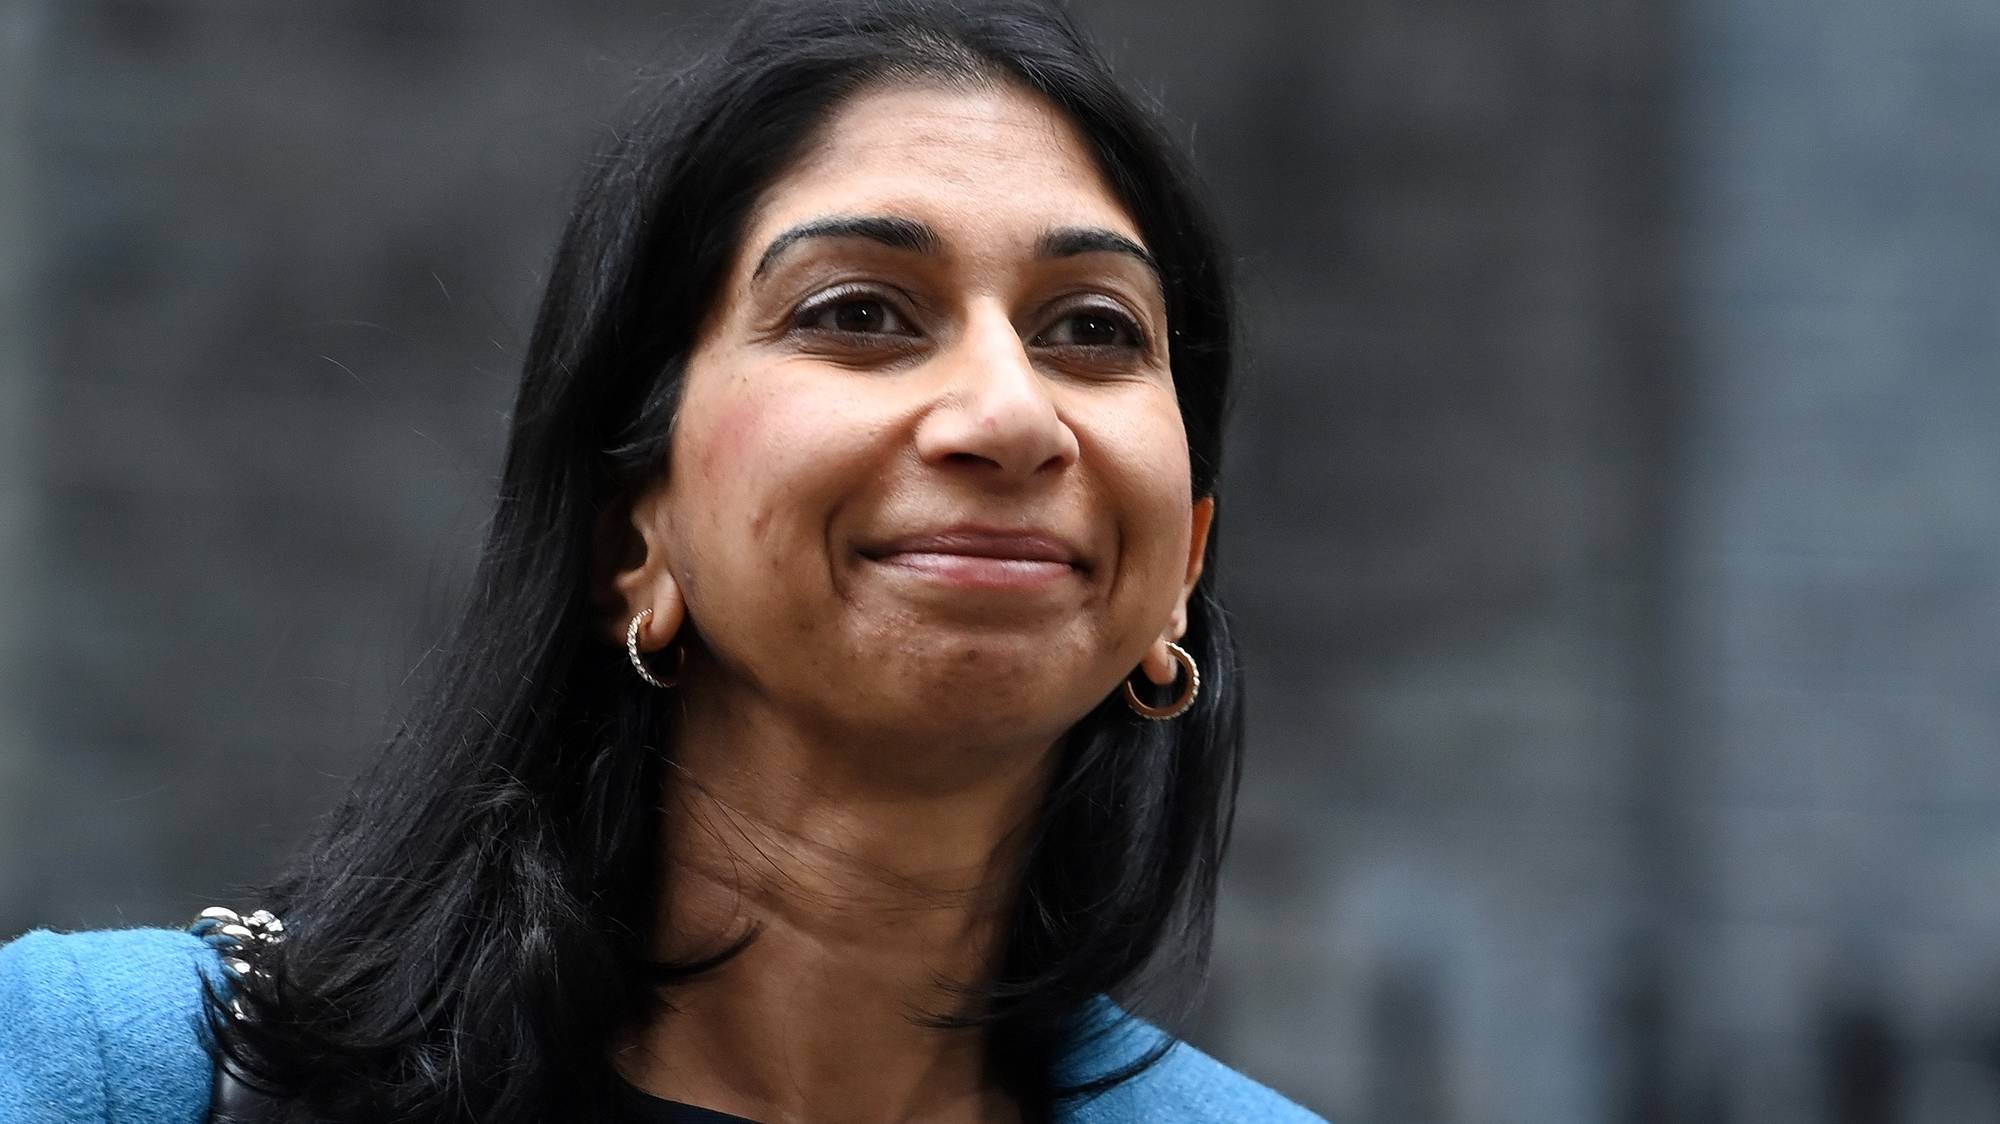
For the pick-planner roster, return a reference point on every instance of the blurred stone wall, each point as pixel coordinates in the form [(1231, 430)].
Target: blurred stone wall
[(1611, 508), (1445, 539), (20, 451), (280, 265), (1836, 936)]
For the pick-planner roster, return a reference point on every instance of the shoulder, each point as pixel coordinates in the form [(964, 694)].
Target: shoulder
[(104, 1026), (1184, 1085)]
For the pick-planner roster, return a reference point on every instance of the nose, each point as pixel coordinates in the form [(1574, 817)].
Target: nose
[(996, 411)]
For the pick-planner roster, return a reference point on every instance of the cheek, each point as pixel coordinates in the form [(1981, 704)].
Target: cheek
[(1145, 453), (1169, 509), (757, 470), (1152, 453), (733, 449)]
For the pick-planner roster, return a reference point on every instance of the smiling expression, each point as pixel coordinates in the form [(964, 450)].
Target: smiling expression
[(929, 475)]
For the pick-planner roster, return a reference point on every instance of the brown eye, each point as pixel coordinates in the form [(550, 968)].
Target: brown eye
[(1095, 328), (860, 316), (852, 314)]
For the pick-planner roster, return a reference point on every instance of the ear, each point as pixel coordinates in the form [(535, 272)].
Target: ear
[(1158, 664), (631, 571)]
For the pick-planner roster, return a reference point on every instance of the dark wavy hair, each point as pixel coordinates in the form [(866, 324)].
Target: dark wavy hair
[(470, 929)]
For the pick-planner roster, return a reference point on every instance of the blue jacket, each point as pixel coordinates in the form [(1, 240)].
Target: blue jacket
[(101, 1028)]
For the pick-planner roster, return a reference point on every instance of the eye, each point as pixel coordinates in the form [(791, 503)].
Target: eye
[(852, 312), (1094, 327)]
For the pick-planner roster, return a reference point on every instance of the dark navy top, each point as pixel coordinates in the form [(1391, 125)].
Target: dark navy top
[(643, 1108)]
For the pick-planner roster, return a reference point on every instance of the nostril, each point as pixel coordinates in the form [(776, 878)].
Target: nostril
[(985, 422)]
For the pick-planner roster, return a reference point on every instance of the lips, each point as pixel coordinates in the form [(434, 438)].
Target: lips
[(983, 557), (981, 542)]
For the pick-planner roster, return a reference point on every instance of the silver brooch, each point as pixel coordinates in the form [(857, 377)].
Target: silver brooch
[(239, 939)]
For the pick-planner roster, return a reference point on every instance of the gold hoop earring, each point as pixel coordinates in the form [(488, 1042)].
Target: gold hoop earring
[(1179, 706), (639, 662)]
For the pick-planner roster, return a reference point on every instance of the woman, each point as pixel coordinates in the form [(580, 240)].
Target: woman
[(843, 710)]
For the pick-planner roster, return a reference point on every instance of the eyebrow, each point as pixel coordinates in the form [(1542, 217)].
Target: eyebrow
[(895, 233), (920, 238), (1070, 241)]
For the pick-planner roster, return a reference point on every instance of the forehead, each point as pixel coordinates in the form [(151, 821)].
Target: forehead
[(976, 162)]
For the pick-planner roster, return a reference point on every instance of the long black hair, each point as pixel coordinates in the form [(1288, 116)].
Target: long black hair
[(470, 929)]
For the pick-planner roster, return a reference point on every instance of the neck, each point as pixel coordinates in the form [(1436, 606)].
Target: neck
[(874, 892)]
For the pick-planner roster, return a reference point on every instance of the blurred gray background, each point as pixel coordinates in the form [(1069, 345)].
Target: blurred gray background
[(1612, 510)]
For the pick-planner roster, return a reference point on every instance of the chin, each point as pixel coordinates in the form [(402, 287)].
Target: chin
[(982, 700)]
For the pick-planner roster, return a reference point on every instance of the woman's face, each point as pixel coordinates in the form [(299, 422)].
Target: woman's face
[(929, 477)]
